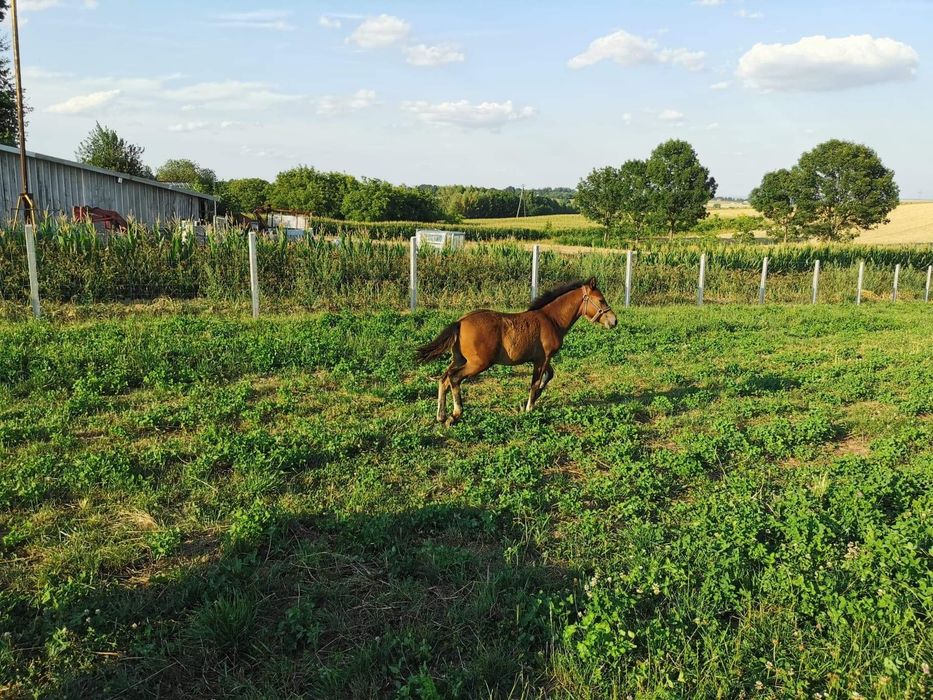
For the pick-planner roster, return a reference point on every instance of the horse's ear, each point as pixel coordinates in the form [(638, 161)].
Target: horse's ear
[(591, 283)]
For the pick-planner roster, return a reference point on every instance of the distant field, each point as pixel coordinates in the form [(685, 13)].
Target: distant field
[(911, 222)]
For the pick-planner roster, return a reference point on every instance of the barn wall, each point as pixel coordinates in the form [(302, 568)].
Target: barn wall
[(59, 186)]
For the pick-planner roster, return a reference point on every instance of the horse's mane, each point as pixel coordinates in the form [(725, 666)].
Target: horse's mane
[(551, 295)]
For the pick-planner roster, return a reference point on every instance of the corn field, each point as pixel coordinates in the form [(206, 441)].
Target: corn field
[(75, 265)]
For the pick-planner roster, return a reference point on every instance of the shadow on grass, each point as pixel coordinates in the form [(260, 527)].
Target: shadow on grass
[(432, 602)]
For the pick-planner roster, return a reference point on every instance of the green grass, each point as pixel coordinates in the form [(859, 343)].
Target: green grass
[(727, 501)]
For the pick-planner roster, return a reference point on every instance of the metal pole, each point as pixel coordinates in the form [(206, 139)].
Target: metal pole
[(25, 196), (861, 278), (253, 274), (535, 254), (33, 273), (702, 280), (897, 276), (764, 280), (413, 276), (926, 296), (628, 279), (816, 280)]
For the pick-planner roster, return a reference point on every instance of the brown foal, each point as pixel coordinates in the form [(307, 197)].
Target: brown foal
[(485, 338)]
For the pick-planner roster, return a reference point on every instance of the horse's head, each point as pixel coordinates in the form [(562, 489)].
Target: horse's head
[(595, 306)]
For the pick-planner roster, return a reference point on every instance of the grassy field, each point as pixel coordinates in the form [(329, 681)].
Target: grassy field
[(718, 502), (911, 222)]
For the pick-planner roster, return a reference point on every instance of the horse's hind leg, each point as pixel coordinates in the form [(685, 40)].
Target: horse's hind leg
[(442, 386), (470, 369)]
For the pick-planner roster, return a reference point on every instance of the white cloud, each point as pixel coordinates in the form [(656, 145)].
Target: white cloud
[(84, 103), (380, 32), (37, 73), (91, 4), (627, 118), (709, 3), (228, 94), (818, 63), (36, 5), (361, 99), (722, 85), (330, 22), (488, 115), (712, 126), (631, 50), (190, 126), (423, 55), (670, 115), (748, 14), (275, 20)]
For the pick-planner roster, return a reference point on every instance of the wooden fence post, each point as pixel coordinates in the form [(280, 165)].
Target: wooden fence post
[(926, 296), (628, 279), (535, 261), (764, 281), (816, 280), (253, 274), (33, 270), (861, 278), (413, 273), (702, 284), (897, 277)]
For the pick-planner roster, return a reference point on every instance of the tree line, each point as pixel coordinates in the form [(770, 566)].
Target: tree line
[(327, 194)]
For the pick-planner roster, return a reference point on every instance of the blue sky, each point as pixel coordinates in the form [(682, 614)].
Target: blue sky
[(478, 92)]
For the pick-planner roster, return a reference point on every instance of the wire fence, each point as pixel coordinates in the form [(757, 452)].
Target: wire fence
[(75, 265)]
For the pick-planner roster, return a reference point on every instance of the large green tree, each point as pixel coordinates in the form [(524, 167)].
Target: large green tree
[(634, 189), (599, 198), (680, 187), (377, 200), (104, 148), (243, 195), (843, 188), (187, 172), (309, 190), (777, 198)]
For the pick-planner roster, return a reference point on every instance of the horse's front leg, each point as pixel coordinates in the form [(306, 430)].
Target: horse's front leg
[(536, 375)]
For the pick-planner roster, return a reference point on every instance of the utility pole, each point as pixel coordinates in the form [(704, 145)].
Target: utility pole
[(25, 197), (521, 198)]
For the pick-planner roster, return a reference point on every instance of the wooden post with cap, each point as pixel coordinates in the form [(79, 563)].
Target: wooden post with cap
[(25, 198)]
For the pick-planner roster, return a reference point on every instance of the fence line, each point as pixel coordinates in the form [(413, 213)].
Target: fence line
[(702, 283), (816, 281), (535, 276), (30, 235), (253, 274), (861, 278), (535, 256), (413, 272), (764, 281)]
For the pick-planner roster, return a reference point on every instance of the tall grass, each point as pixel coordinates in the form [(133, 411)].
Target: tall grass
[(76, 265)]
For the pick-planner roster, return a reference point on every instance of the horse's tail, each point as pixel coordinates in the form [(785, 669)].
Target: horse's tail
[(441, 344)]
